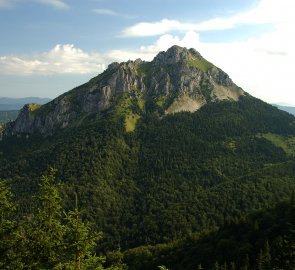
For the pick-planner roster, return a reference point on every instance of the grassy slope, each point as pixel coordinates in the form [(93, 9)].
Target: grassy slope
[(286, 143), (201, 64)]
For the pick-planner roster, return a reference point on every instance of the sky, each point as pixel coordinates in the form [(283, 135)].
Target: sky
[(48, 47)]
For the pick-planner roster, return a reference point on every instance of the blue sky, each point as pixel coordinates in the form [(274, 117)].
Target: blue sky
[(48, 47)]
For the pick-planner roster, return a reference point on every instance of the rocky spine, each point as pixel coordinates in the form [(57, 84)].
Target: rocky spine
[(179, 75)]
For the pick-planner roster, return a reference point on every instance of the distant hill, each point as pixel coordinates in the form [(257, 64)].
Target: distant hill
[(7, 104), (286, 108), (6, 116)]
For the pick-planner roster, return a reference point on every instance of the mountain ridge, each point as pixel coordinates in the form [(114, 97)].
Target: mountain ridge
[(6, 116), (177, 80), (289, 109), (146, 176)]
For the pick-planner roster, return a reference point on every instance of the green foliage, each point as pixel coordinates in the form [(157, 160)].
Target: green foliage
[(6, 205), (253, 242), (41, 232), (206, 89), (130, 122), (45, 238), (201, 64), (33, 107), (129, 107), (286, 143), (79, 243), (124, 105), (145, 69), (162, 267), (170, 177), (161, 100), (7, 227)]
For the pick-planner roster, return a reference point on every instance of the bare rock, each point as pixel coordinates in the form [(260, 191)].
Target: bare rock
[(183, 76)]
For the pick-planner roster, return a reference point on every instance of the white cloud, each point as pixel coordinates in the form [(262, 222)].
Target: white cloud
[(267, 11), (264, 66), (105, 12), (62, 59), (7, 3), (59, 4), (109, 12), (190, 39), (144, 29), (164, 26), (67, 59), (264, 71)]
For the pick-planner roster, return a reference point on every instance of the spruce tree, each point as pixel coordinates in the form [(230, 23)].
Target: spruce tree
[(80, 243), (42, 231), (47, 237)]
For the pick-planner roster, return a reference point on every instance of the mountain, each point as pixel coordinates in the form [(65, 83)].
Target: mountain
[(154, 150), (288, 109), (176, 80), (7, 104)]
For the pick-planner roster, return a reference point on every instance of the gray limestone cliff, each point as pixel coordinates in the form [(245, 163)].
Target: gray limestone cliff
[(179, 79)]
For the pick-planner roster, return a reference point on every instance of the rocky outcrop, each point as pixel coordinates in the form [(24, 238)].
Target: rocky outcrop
[(181, 76), (24, 121), (175, 55)]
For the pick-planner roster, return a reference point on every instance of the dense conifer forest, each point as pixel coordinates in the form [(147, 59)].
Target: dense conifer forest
[(187, 180), (264, 239), (48, 237)]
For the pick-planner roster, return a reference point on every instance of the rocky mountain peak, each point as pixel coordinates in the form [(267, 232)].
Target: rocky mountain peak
[(179, 79), (175, 55), (129, 64), (113, 66)]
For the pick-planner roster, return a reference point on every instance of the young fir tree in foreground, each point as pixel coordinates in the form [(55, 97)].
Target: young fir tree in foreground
[(42, 231), (47, 238), (80, 244)]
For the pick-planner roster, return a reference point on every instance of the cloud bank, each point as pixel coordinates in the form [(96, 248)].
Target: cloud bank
[(62, 59), (58, 4), (68, 59), (109, 12), (264, 66), (267, 11)]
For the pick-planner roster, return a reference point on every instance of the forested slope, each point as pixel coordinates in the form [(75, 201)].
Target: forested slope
[(264, 239), (172, 176)]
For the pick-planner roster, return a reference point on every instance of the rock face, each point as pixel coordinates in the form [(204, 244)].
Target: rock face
[(182, 79)]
